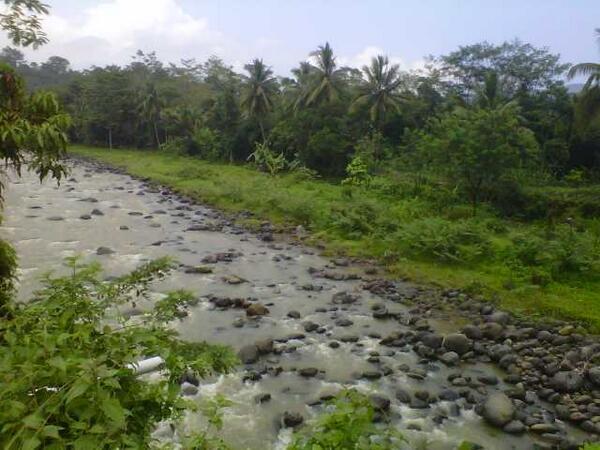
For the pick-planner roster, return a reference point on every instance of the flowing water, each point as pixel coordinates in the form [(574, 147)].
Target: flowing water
[(43, 221)]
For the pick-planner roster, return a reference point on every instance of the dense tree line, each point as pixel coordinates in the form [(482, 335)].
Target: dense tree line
[(322, 113)]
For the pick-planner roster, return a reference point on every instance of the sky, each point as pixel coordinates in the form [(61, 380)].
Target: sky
[(283, 32)]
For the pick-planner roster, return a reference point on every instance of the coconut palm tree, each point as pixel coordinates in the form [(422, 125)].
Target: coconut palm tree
[(259, 88), (326, 80), (379, 90), (589, 100), (300, 89), (590, 70)]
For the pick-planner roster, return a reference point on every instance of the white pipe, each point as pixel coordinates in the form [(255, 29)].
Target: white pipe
[(147, 365)]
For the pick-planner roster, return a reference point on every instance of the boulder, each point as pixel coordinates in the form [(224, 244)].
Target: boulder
[(432, 340), (594, 375), (499, 317), (257, 309), (498, 409), (567, 381), (249, 354), (308, 372), (292, 419), (380, 403), (472, 332), (104, 251), (450, 358), (458, 343), (264, 346), (492, 330)]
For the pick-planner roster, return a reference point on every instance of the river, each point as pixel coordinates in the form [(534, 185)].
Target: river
[(47, 223)]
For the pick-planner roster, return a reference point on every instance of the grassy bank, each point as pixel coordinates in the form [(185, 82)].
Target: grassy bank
[(427, 240)]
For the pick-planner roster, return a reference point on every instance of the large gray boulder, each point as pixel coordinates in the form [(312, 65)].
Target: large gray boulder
[(249, 354), (498, 409), (594, 375), (458, 343), (570, 381)]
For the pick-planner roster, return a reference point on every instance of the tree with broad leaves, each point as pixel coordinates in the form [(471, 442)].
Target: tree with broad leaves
[(22, 22)]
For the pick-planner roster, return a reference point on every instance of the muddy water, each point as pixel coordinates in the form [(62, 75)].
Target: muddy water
[(44, 223)]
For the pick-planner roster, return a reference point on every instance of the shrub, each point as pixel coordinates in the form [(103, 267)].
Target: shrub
[(347, 424), (267, 160), (8, 267), (67, 358), (442, 240), (357, 173), (176, 146), (555, 254), (355, 220), (206, 144)]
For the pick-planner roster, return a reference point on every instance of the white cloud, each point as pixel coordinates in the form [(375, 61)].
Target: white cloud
[(364, 57), (112, 31)]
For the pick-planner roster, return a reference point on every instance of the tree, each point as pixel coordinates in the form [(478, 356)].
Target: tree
[(12, 56), (592, 72), (519, 67), (150, 108), (32, 128), (379, 90), (22, 22), (258, 92), (325, 79), (478, 148)]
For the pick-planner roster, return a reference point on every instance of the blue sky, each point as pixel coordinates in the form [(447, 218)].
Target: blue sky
[(283, 32)]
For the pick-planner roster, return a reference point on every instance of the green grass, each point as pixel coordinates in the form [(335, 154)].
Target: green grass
[(367, 224)]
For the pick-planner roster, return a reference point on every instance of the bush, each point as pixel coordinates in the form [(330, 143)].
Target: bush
[(67, 358), (348, 424), (555, 255), (267, 160), (357, 173), (356, 220), (442, 240), (206, 144), (8, 268), (176, 146)]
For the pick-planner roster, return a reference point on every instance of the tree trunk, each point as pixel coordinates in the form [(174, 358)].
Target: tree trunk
[(156, 136), (110, 144), (262, 130)]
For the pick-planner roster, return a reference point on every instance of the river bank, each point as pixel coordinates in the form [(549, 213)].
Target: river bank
[(356, 226)]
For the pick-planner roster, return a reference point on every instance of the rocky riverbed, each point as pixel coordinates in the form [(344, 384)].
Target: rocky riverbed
[(442, 366)]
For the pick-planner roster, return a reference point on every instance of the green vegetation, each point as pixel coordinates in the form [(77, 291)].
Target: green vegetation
[(421, 230), (67, 357), (348, 423)]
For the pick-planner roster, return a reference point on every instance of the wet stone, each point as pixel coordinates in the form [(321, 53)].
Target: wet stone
[(344, 322), (292, 419), (308, 372), (450, 358)]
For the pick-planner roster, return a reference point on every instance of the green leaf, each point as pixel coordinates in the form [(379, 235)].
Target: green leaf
[(33, 421), (51, 431), (31, 443), (114, 411), (77, 390)]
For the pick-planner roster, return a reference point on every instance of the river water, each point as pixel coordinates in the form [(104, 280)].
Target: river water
[(43, 222)]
